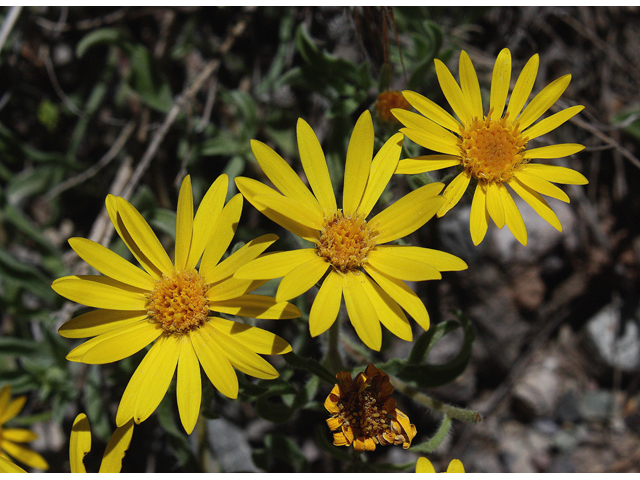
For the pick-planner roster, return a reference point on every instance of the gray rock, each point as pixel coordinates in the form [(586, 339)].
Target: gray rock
[(230, 446)]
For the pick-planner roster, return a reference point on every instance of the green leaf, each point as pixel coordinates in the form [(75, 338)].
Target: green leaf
[(280, 447), (148, 81), (111, 36), (19, 346), (312, 366)]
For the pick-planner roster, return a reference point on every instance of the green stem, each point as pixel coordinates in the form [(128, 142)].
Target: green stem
[(332, 360), (434, 442), (462, 414)]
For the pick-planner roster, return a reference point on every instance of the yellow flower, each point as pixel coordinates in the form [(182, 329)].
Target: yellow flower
[(364, 412), (346, 244), (386, 101), (11, 439), (492, 149), (80, 445), (423, 465), (170, 303)]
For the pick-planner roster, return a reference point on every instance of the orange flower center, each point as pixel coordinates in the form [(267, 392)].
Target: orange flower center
[(492, 149), (366, 414), (179, 302), (345, 241)]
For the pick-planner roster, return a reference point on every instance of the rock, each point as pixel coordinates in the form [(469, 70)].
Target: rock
[(537, 392), (230, 446), (597, 405)]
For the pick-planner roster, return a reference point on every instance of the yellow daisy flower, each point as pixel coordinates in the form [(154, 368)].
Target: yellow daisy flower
[(364, 412), (170, 303), (12, 439), (492, 148), (80, 445), (423, 465), (346, 244)]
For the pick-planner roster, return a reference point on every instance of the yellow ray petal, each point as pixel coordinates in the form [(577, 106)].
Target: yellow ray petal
[(543, 101), (455, 466), (184, 224), (239, 258), (382, 168), (143, 236), (426, 163), (240, 356), (215, 364), (538, 203), (554, 151), (276, 264), (479, 218), (293, 209), (315, 167), (556, 174), (433, 135), (358, 164), (156, 379), (5, 395), (256, 306), (512, 215), (100, 292), (256, 339), (552, 122), (189, 385), (423, 465), (430, 109), (206, 218), (301, 278), (408, 214), (500, 81), (402, 294), (225, 228), (470, 86), (111, 264), (454, 191), (232, 288), (402, 268), (389, 312), (452, 93), (523, 87), (20, 435), (13, 408), (362, 314), (250, 188), (98, 322), (540, 185), (79, 443), (7, 466), (442, 261), (24, 455), (116, 344), (283, 176), (326, 305), (116, 448), (494, 205)]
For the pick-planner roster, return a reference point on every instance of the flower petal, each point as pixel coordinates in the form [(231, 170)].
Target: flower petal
[(100, 292), (283, 176), (512, 215), (315, 167), (79, 443), (538, 203), (382, 168), (13, 408), (455, 466), (116, 344), (20, 435), (454, 191), (552, 122), (429, 109), (116, 448), (188, 385), (408, 214), (500, 81), (523, 87), (494, 204), (245, 254), (427, 133), (215, 364), (543, 101), (453, 93), (5, 395), (554, 151), (556, 174), (292, 209), (206, 218), (540, 185), (423, 465), (402, 268), (442, 261), (111, 264), (470, 86), (255, 339), (326, 305), (100, 321), (7, 466), (426, 163), (184, 224), (479, 218), (358, 164), (301, 278), (225, 228), (362, 314), (24, 455), (232, 288), (389, 312), (250, 188), (256, 306), (276, 264)]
